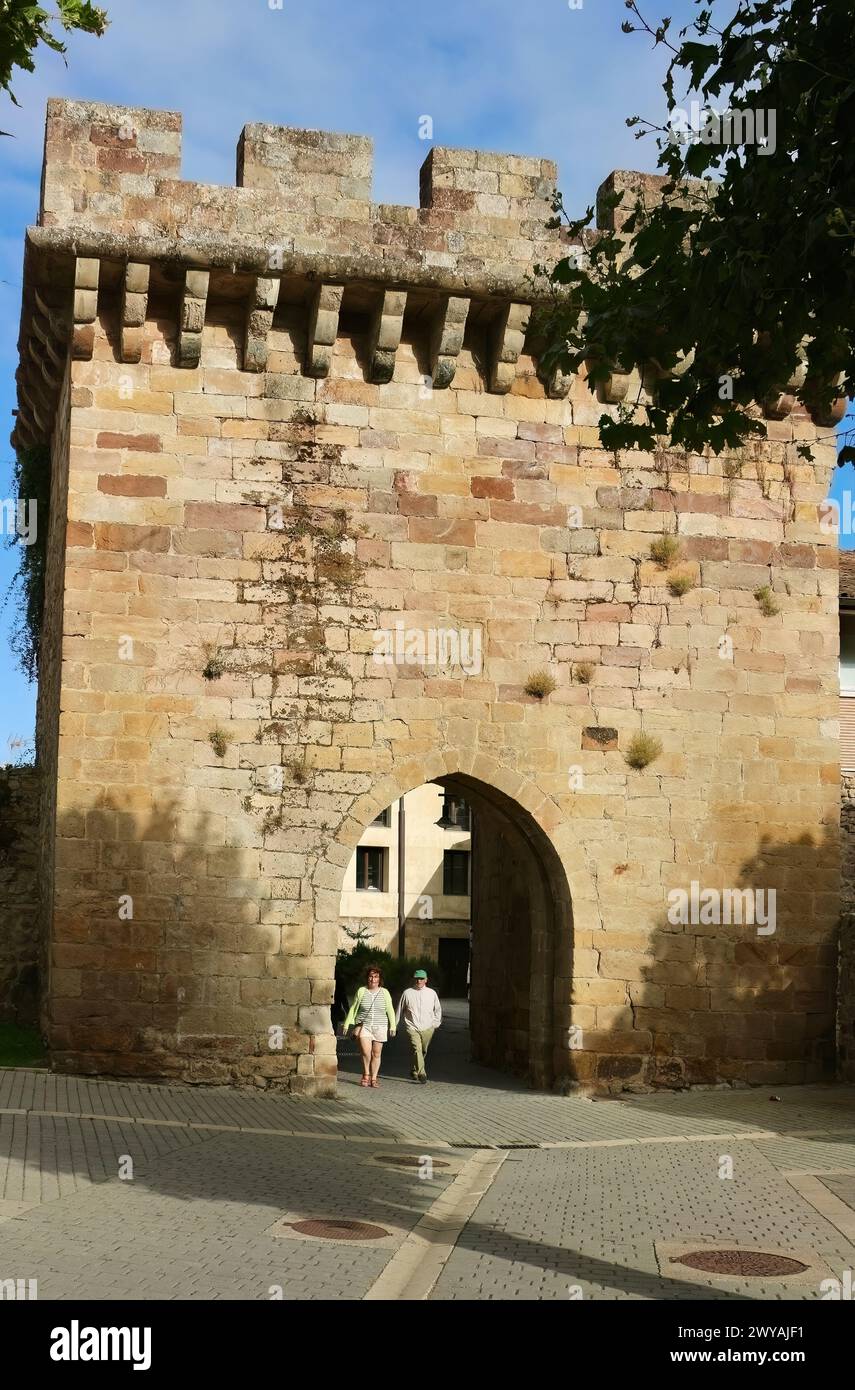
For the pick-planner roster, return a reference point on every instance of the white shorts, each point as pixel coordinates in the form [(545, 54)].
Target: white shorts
[(379, 1033)]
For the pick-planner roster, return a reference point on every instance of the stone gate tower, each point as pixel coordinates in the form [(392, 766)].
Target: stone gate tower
[(318, 529)]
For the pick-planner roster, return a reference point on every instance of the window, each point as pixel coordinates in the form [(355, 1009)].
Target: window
[(455, 813), (383, 818), (371, 869), (455, 873), (847, 689), (847, 652)]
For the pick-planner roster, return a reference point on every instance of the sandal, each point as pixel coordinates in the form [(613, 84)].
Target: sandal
[(374, 1081), (365, 1081)]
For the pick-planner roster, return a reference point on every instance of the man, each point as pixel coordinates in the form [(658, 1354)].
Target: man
[(422, 1015)]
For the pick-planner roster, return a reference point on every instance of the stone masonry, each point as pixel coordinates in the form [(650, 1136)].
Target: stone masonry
[(846, 989), (19, 857), (291, 428)]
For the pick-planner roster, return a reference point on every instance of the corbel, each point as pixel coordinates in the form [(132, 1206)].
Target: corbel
[(87, 270), (261, 307), (386, 335), (323, 329), (508, 342), (191, 320), (133, 312), (447, 339)]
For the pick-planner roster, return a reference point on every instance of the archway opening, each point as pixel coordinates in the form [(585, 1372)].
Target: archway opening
[(458, 877)]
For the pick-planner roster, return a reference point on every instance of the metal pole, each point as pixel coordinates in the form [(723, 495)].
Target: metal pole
[(402, 855)]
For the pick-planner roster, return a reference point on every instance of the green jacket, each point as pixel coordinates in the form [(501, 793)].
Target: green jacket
[(354, 1008)]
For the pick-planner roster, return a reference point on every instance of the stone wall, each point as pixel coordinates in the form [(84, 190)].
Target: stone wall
[(50, 691), (299, 419), (19, 951), (846, 986)]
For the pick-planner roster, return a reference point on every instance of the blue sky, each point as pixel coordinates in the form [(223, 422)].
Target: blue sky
[(537, 78)]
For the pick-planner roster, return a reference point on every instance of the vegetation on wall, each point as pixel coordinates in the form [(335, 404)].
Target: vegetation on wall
[(32, 490), (643, 750), (665, 551), (540, 684), (21, 1047), (766, 601)]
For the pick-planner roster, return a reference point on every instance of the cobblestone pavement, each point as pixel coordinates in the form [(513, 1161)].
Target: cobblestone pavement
[(583, 1198)]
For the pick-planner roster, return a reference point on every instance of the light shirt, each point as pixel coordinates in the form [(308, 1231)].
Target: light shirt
[(372, 1008), (420, 1008)]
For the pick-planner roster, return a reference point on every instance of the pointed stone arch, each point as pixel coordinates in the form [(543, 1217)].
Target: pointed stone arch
[(524, 1024)]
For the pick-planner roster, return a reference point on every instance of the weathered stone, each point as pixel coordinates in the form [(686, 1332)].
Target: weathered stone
[(237, 536)]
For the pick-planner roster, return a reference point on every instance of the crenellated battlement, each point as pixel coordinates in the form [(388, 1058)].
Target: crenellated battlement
[(118, 226), (119, 168), (117, 220)]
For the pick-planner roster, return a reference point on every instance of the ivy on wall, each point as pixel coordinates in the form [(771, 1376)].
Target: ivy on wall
[(32, 493)]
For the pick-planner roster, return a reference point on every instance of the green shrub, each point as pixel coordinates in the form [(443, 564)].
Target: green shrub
[(215, 663), (665, 551), (219, 741), (21, 1047), (642, 750), (766, 603), (350, 968), (680, 584), (540, 684)]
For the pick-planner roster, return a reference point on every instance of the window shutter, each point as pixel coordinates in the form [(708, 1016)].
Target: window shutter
[(847, 733)]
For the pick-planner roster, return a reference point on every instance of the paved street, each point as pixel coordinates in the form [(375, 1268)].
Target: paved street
[(482, 1189)]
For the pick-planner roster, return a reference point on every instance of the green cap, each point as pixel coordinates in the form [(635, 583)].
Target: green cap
[(419, 974)]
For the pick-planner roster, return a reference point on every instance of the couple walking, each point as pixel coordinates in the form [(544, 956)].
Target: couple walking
[(375, 1019)]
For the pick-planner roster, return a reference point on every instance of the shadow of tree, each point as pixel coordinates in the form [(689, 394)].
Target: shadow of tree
[(728, 1000), (169, 950)]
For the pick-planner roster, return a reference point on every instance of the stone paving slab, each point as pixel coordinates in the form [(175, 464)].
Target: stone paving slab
[(457, 1113), (843, 1186), (215, 1168), (197, 1223), (591, 1220), (815, 1155), (587, 1191)]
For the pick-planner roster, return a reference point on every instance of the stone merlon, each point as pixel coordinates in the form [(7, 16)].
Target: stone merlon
[(117, 225)]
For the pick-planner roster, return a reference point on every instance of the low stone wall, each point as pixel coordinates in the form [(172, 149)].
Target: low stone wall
[(19, 971), (846, 982)]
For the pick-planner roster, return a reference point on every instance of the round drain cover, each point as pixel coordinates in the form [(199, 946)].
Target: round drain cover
[(340, 1230), (409, 1160), (753, 1264)]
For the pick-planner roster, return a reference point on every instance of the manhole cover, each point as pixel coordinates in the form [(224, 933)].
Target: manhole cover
[(339, 1230), (409, 1161), (749, 1263)]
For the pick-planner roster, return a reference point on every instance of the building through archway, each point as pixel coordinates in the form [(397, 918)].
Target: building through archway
[(480, 891)]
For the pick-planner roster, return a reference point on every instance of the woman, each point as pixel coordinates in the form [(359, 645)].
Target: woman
[(374, 1017)]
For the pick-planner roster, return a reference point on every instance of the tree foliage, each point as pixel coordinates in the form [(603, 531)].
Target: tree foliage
[(351, 966), (742, 277), (23, 26)]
